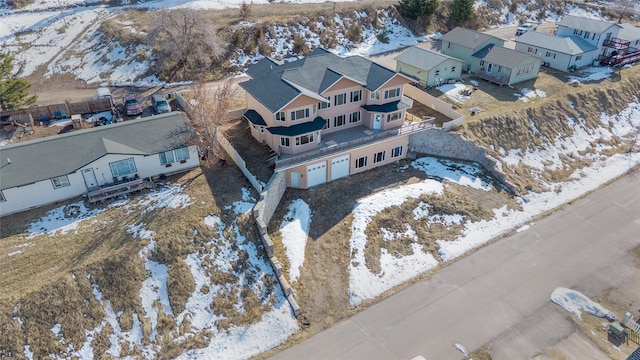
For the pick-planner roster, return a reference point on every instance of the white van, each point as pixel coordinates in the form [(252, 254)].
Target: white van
[(104, 93), (160, 104)]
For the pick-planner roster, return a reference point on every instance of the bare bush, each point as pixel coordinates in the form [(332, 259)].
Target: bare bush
[(184, 44), (19, 4), (245, 10)]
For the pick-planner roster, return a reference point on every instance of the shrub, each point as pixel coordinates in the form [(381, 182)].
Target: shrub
[(355, 33), (300, 46)]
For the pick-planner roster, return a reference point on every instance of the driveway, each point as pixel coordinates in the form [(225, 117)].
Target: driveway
[(500, 293)]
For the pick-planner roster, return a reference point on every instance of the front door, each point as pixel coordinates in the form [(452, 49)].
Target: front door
[(377, 121), (90, 178)]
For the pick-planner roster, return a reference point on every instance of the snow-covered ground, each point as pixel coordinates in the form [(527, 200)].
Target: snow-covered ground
[(238, 342), (365, 284), (575, 302)]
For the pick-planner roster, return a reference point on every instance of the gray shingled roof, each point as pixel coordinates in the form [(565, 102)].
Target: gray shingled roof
[(566, 45), (48, 157), (580, 23), (467, 38), (423, 58), (502, 56), (629, 32), (276, 86)]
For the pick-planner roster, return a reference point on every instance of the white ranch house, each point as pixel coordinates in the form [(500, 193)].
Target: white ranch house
[(99, 162)]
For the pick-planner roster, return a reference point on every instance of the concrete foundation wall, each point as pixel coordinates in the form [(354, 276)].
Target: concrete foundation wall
[(447, 144)]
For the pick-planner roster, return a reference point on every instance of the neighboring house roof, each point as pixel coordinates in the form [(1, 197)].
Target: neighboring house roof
[(388, 107), (467, 38), (502, 56), (581, 23), (629, 32), (299, 129), (423, 59), (254, 117), (276, 86), (571, 45), (48, 157)]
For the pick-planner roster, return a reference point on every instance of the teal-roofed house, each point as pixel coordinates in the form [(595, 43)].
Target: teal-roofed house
[(326, 116)]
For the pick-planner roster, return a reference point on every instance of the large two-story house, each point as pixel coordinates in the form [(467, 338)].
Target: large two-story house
[(326, 116)]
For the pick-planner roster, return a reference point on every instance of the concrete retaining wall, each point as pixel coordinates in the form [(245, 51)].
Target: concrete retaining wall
[(447, 144)]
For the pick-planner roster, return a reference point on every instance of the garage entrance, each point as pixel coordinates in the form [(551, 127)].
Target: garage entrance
[(317, 174), (340, 167)]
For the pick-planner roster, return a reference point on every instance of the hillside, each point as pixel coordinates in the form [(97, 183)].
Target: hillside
[(179, 272)]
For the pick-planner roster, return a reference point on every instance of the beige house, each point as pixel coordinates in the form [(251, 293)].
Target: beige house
[(327, 117), (429, 68)]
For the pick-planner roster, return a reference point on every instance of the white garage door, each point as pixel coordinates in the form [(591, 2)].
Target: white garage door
[(316, 174), (340, 167)]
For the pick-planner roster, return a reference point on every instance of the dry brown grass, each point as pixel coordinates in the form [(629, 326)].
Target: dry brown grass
[(510, 124)]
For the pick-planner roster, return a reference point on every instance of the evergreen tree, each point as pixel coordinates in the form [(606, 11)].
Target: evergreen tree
[(413, 9), (460, 11), (13, 89)]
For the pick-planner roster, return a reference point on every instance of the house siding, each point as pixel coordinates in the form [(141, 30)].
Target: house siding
[(464, 53), (441, 72), (369, 150)]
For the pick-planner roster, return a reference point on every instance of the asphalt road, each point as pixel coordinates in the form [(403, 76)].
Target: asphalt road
[(499, 287)]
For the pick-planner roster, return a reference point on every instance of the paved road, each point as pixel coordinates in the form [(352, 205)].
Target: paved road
[(501, 286)]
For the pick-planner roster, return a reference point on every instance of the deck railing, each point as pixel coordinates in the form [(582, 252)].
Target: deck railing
[(111, 191), (500, 80), (401, 131)]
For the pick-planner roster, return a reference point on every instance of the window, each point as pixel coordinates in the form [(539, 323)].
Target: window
[(60, 181), (587, 34), (167, 157), (437, 72), (448, 45), (324, 105), (122, 167), (532, 50), (339, 120), (183, 153), (304, 139), (284, 141), (261, 129), (378, 157), (579, 57), (300, 114), (361, 162), (356, 96), (577, 32), (374, 95), (394, 116), (280, 116), (354, 117), (453, 69), (481, 62), (396, 151), (388, 94), (2, 198), (340, 99)]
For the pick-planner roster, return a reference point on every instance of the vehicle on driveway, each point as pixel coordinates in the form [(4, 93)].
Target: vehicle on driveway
[(131, 105), (525, 28), (160, 104)]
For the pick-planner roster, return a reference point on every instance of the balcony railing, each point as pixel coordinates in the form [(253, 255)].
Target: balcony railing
[(616, 43), (378, 135), (497, 79), (618, 60)]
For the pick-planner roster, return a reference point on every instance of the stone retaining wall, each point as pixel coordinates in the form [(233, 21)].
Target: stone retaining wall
[(449, 144)]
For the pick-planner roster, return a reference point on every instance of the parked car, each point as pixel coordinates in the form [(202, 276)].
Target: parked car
[(524, 28), (131, 105), (160, 104)]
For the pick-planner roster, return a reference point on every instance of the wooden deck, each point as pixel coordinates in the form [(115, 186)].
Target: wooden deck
[(108, 192)]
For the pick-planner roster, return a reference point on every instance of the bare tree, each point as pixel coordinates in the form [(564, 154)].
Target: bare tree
[(245, 10), (208, 109), (184, 44)]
